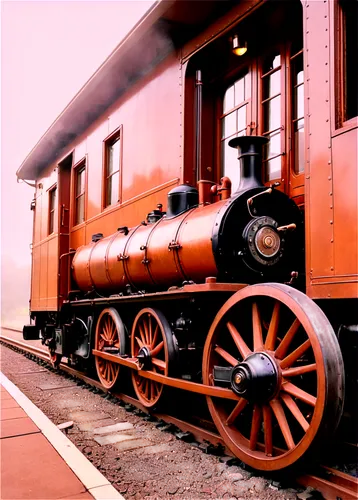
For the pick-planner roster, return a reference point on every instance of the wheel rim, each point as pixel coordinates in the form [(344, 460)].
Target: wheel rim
[(151, 335), (109, 338), (277, 351)]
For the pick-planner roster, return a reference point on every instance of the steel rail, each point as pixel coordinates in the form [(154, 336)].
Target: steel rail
[(331, 483)]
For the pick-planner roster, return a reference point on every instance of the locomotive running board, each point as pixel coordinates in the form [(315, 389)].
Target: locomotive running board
[(178, 383)]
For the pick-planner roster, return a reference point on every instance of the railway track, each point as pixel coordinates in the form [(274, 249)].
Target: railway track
[(330, 482)]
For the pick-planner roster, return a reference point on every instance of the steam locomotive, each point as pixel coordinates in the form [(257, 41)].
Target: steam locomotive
[(222, 293)]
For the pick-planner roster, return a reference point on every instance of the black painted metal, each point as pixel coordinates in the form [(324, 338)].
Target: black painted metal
[(30, 332), (256, 378), (180, 199), (250, 156), (144, 358)]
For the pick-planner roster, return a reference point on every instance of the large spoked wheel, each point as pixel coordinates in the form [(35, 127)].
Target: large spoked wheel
[(275, 348), (153, 344), (110, 337)]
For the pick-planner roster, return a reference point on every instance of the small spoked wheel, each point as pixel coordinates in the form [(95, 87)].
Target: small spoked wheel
[(153, 344), (276, 350), (110, 337)]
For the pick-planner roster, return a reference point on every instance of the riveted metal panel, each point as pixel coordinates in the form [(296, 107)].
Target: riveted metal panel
[(318, 172)]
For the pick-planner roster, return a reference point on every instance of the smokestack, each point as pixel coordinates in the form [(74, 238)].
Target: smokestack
[(249, 149)]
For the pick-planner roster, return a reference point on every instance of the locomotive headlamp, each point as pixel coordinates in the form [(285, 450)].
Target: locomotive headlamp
[(239, 47)]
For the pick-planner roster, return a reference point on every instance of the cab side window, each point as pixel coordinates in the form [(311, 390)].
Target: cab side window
[(52, 209), (112, 167), (233, 123), (80, 193), (348, 56)]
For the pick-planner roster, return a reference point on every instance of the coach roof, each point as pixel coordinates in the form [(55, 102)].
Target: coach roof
[(165, 25)]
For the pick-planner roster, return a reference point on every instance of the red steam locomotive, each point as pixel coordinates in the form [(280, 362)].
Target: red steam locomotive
[(243, 289)]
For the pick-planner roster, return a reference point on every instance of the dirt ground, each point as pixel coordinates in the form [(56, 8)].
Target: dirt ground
[(139, 459)]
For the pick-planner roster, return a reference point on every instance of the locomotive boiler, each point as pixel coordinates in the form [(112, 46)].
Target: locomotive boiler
[(254, 235)]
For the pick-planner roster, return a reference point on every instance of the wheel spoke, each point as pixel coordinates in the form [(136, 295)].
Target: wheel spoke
[(154, 390), (236, 411), (296, 412), (255, 426), (299, 393), (224, 354), (108, 326), (155, 336), (150, 339), (139, 342), (257, 328), (282, 422), (299, 370), (159, 363), (141, 333), (146, 332), (273, 328), (113, 331), (267, 414), (286, 341), (104, 330), (297, 353), (157, 349), (146, 390), (239, 341)]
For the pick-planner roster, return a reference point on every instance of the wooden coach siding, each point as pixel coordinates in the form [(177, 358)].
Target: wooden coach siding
[(150, 115)]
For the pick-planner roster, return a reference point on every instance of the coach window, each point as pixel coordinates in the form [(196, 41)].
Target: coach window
[(298, 124), (112, 166), (272, 74), (233, 123), (80, 191), (348, 56), (52, 210)]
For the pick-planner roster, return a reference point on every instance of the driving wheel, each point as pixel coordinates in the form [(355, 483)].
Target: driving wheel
[(276, 350), (152, 343), (110, 337)]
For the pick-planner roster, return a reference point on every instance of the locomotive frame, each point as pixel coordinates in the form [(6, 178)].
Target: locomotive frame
[(238, 318)]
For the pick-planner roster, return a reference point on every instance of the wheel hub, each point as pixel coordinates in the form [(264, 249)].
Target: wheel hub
[(144, 358), (256, 378)]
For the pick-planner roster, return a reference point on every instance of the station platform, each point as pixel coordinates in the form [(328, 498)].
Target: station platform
[(37, 460)]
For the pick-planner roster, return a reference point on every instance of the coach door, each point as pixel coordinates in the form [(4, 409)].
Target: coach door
[(64, 182)]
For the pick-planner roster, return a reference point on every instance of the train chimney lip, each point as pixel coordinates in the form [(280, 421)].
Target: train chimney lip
[(250, 157)]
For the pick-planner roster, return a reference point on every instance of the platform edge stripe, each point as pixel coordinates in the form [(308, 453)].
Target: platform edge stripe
[(86, 472)]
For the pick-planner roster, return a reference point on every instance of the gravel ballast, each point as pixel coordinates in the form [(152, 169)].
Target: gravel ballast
[(139, 459)]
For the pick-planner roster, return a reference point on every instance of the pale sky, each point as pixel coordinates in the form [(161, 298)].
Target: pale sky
[(49, 49)]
